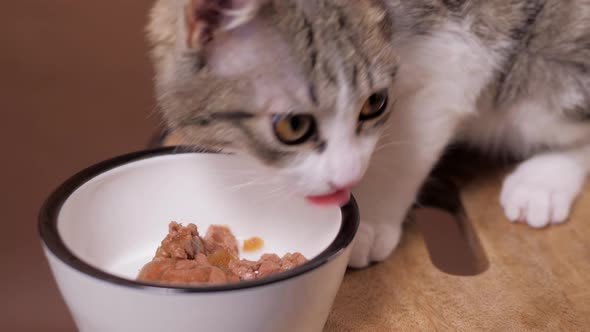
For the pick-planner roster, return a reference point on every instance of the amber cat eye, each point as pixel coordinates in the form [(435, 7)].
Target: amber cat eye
[(293, 129), (374, 106)]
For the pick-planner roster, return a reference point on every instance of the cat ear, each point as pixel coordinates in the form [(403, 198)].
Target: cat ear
[(206, 18)]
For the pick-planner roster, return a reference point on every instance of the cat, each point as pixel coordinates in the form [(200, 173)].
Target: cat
[(331, 95)]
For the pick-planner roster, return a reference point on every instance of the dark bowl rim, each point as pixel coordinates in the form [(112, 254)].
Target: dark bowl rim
[(48, 231)]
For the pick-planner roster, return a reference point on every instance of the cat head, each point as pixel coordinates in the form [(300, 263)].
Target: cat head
[(302, 86)]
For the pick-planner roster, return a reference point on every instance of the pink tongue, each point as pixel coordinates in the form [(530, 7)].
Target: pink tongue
[(340, 198)]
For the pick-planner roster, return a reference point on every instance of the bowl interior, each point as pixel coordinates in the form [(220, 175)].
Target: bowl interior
[(116, 220)]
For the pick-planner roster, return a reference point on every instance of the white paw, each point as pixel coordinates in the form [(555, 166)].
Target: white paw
[(373, 243), (541, 190)]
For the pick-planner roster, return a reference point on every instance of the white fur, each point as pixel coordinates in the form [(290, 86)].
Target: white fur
[(243, 12), (347, 154), (541, 190), (428, 112), (374, 242)]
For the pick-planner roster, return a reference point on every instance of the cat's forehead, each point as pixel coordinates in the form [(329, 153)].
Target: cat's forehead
[(260, 55), (328, 36), (301, 54), (301, 58)]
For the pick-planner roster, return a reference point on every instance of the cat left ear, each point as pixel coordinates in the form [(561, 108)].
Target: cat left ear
[(205, 18)]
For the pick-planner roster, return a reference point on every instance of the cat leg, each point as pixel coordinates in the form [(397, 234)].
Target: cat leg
[(382, 212), (542, 189), (438, 84), (408, 151)]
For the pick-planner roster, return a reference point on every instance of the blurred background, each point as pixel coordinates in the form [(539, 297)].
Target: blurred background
[(75, 88)]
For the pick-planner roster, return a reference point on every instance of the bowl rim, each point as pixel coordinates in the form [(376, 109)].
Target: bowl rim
[(48, 231)]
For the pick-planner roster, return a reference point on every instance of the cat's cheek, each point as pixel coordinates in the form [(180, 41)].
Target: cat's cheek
[(368, 148)]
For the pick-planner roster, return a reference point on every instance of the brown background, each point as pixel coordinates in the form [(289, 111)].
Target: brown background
[(75, 88)]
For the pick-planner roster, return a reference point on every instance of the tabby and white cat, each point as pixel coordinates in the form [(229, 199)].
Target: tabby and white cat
[(326, 92)]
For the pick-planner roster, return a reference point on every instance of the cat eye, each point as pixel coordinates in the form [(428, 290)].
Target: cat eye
[(374, 106), (294, 129)]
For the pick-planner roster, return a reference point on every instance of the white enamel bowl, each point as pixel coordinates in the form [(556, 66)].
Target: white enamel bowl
[(103, 224)]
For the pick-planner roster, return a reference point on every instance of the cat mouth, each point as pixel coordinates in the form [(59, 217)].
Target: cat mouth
[(339, 197)]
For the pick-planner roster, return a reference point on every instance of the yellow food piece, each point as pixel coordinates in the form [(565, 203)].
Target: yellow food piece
[(253, 244)]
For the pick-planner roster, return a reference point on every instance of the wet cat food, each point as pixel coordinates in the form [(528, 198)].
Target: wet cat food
[(187, 258), (253, 244)]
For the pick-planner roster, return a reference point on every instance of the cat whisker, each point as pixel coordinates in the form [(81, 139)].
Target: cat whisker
[(275, 192), (239, 186), (276, 189), (390, 144), (237, 172), (394, 142)]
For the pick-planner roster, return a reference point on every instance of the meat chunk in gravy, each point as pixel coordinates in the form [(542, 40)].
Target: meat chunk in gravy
[(221, 238), (267, 265), (186, 258), (185, 272), (181, 242)]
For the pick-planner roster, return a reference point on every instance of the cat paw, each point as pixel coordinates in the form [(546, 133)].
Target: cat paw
[(373, 243), (542, 190)]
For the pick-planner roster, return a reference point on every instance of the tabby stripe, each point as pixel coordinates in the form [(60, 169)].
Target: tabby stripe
[(313, 96), (266, 153), (454, 5), (330, 76), (206, 120), (364, 60), (522, 35), (354, 76), (310, 41)]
